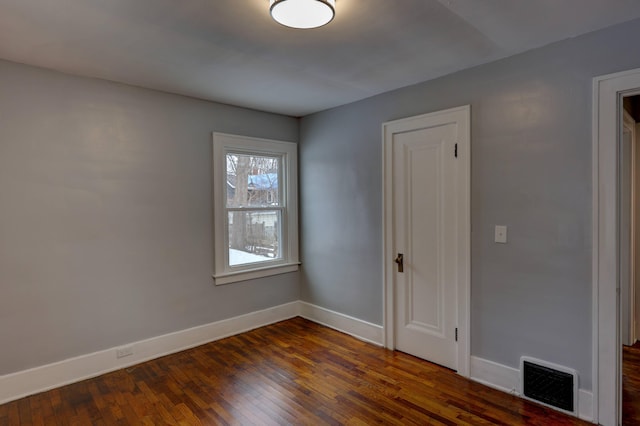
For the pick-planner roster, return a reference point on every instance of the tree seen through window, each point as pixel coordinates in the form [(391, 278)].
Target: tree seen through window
[(254, 207)]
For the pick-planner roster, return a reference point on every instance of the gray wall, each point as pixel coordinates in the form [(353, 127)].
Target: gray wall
[(531, 170), (105, 215)]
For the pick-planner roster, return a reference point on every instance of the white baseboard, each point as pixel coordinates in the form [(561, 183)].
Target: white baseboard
[(507, 379), (495, 375), (39, 379), (585, 405), (28, 382), (355, 327)]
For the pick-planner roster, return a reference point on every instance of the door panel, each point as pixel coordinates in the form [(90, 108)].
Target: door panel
[(422, 280), (424, 230)]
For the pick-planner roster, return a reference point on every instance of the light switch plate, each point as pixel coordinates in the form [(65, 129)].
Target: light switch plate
[(501, 234)]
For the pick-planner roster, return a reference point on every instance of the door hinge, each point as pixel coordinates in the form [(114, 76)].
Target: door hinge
[(455, 151), (456, 334)]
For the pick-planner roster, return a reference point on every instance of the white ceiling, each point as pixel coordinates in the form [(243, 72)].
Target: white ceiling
[(231, 51)]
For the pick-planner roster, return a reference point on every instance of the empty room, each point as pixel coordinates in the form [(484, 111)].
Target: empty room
[(319, 212)]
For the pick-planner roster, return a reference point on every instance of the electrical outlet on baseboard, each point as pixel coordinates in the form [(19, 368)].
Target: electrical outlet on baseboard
[(124, 351)]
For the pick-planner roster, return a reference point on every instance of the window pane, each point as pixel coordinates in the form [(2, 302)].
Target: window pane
[(254, 236), (252, 180)]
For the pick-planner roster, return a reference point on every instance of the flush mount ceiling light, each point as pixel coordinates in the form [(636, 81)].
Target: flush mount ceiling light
[(303, 13)]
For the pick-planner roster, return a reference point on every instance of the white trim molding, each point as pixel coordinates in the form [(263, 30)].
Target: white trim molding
[(507, 379), (462, 117), (28, 382), (355, 327), (39, 379), (608, 91), (495, 375)]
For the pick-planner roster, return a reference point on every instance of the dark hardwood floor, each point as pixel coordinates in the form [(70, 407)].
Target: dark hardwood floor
[(295, 372), (631, 385)]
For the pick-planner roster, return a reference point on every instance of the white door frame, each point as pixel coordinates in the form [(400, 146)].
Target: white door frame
[(463, 115), (607, 354)]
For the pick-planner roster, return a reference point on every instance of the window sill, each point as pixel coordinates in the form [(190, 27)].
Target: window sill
[(232, 277)]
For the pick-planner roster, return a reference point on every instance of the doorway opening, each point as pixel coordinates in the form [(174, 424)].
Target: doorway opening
[(629, 188), (610, 249)]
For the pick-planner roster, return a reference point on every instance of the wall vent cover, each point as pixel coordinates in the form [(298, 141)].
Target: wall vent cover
[(551, 386)]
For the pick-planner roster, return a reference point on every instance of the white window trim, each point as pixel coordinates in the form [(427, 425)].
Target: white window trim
[(222, 142)]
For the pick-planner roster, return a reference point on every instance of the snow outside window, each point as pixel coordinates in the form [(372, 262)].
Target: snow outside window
[(255, 207)]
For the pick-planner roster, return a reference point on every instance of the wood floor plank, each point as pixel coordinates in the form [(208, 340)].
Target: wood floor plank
[(13, 413), (294, 372), (631, 384)]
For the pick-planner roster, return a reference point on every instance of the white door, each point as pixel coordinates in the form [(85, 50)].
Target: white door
[(430, 232)]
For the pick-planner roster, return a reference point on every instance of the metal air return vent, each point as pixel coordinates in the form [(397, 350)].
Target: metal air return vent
[(549, 384)]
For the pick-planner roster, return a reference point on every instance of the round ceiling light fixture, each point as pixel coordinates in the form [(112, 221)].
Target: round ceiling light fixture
[(303, 14)]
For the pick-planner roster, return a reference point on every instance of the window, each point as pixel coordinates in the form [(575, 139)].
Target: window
[(255, 214)]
